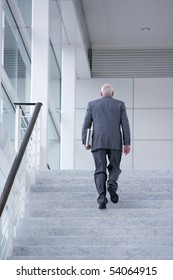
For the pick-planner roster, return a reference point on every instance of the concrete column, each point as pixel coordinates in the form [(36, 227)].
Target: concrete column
[(40, 68), (68, 107)]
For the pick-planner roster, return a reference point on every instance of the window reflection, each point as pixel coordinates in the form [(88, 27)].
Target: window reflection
[(54, 85), (16, 61), (25, 7), (7, 114)]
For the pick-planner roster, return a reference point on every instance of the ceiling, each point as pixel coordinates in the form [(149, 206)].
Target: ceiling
[(118, 23)]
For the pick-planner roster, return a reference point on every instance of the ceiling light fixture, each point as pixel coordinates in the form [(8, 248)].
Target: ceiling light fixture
[(146, 28)]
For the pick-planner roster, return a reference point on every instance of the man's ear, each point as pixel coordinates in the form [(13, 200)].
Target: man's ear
[(101, 93), (112, 93)]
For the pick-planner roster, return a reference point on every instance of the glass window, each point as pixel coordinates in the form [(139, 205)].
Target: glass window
[(16, 60), (7, 114), (55, 80), (55, 53), (25, 7), (54, 84)]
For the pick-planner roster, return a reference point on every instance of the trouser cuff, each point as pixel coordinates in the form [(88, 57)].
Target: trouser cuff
[(114, 184)]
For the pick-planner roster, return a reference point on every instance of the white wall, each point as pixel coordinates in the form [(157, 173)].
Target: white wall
[(153, 115), (149, 104)]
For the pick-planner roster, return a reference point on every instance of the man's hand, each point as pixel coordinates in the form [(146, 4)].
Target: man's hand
[(127, 149), (88, 147)]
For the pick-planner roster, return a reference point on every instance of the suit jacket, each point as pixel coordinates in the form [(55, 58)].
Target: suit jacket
[(110, 124)]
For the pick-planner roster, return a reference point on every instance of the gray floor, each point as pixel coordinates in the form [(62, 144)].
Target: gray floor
[(63, 221)]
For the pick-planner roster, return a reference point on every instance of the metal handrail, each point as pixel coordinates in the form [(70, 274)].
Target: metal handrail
[(18, 159)]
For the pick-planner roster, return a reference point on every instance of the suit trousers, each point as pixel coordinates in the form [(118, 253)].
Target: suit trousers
[(106, 159)]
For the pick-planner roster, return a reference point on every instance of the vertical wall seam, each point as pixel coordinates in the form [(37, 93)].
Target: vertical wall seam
[(133, 122)]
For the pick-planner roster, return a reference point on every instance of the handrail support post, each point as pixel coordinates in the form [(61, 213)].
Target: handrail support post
[(17, 128)]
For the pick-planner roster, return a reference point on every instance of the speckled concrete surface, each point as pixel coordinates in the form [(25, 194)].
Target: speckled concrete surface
[(62, 219)]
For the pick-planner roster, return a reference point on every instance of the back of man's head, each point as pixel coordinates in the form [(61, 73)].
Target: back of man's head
[(107, 90)]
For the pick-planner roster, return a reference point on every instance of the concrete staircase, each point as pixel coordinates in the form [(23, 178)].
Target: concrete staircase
[(63, 221)]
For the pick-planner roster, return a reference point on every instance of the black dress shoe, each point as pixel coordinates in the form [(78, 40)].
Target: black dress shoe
[(102, 205), (113, 195)]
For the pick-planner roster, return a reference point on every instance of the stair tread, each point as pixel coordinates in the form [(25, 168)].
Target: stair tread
[(124, 188), (93, 212), (89, 230), (154, 204), (108, 250), (92, 240), (34, 197), (98, 221), (91, 257)]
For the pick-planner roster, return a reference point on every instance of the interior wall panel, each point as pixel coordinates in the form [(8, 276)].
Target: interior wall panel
[(153, 154), (153, 93), (153, 124)]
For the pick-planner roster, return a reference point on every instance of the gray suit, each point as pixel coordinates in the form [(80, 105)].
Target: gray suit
[(110, 131)]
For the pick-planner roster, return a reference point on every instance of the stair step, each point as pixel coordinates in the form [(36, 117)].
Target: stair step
[(91, 240), (132, 174), (94, 212), (90, 182), (132, 204), (91, 257), (98, 221), (104, 252), (141, 188), (44, 197), (126, 231)]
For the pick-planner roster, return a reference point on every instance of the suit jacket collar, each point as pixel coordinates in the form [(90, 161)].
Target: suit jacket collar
[(107, 96)]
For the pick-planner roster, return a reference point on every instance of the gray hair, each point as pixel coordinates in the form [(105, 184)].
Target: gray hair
[(107, 90)]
